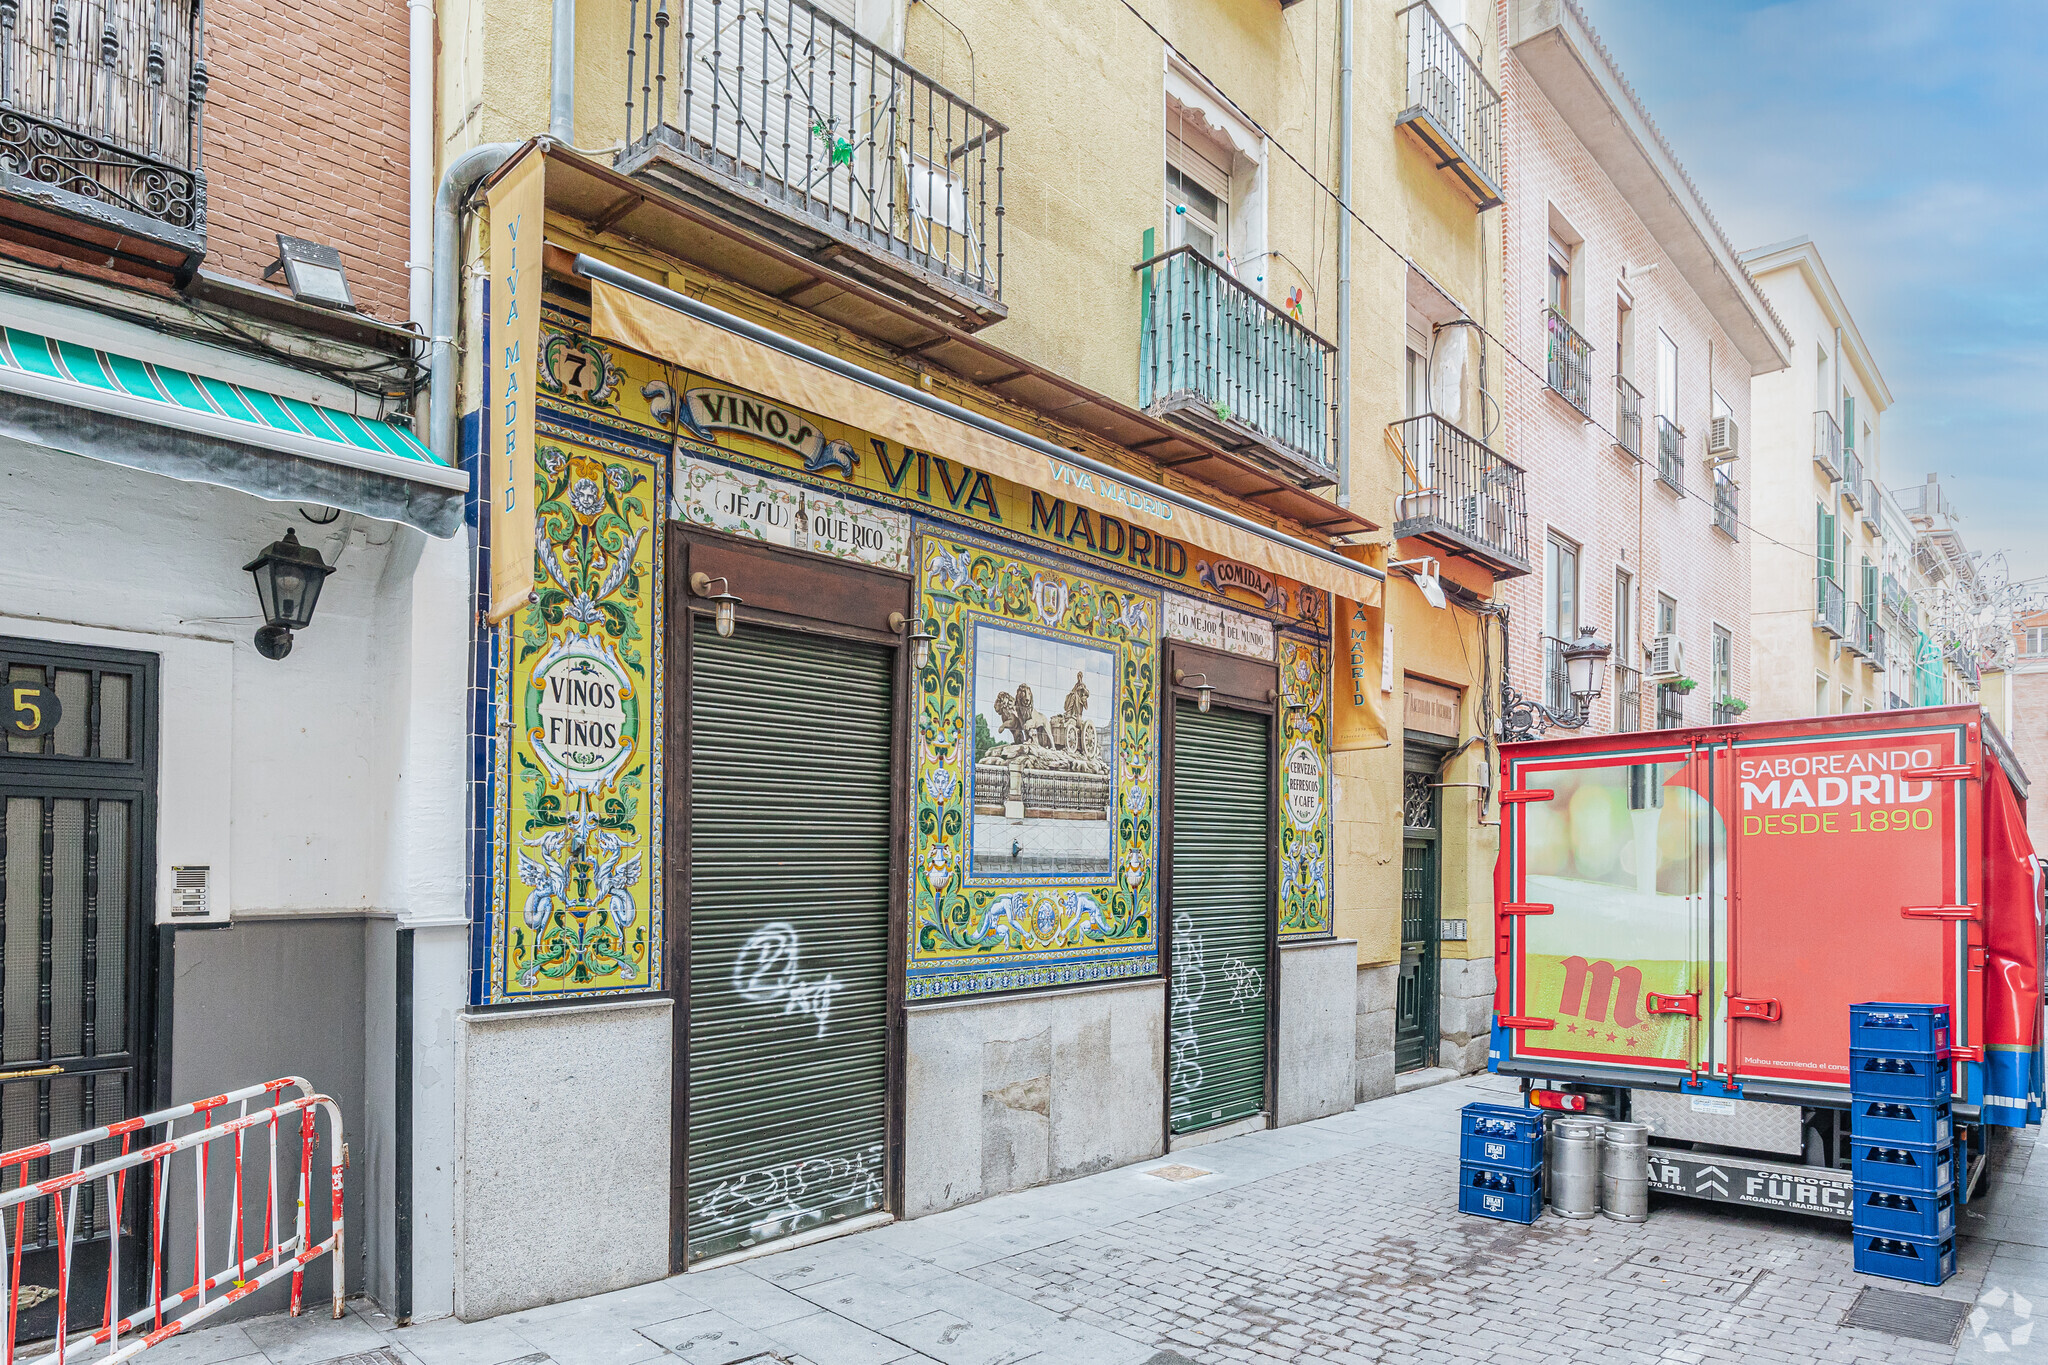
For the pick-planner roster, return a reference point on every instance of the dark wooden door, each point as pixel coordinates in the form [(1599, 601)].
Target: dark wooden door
[(1415, 992)]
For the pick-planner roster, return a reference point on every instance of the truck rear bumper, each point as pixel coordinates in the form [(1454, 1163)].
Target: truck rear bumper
[(1731, 1179)]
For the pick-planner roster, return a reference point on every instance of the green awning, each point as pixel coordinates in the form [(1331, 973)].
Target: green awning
[(107, 406)]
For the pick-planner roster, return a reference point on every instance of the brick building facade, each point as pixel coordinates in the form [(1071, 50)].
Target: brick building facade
[(1632, 328)]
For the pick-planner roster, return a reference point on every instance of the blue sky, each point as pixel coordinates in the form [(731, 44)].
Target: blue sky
[(1907, 140)]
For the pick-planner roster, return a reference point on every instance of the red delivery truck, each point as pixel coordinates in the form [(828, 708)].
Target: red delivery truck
[(1683, 918)]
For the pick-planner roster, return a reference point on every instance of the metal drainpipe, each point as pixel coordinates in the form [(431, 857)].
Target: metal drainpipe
[(1344, 265), (456, 183), (420, 14), (562, 71)]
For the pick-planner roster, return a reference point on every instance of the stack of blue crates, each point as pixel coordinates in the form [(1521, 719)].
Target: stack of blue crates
[(1500, 1162), (1902, 1139)]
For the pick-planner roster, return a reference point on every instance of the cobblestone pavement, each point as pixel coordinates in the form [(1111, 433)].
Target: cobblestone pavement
[(1330, 1241)]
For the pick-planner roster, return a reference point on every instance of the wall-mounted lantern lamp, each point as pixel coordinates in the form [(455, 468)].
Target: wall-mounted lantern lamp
[(1585, 671), (722, 602), (913, 631), (1198, 681), (1427, 574), (288, 577)]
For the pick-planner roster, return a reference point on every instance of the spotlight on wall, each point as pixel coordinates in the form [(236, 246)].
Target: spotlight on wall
[(1198, 681), (312, 271), (920, 638), (288, 578), (722, 601), (1426, 575)]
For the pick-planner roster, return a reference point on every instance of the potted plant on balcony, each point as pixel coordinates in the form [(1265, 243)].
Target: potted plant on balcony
[(1734, 706), (1683, 685)]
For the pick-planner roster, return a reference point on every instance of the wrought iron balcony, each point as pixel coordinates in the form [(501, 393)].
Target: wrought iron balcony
[(1670, 707), (1827, 443), (1571, 362), (1727, 516), (100, 124), (1217, 358), (1829, 606), (1671, 453), (1628, 417), (1855, 629), (1461, 496), (1852, 477), (1453, 111), (1557, 682), (1725, 714), (1628, 699), (1876, 653), (785, 122), (1873, 516)]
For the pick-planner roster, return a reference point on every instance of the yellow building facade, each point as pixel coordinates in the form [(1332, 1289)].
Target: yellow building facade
[(984, 672)]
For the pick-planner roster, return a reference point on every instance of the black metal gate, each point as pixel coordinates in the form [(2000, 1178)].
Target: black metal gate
[(77, 827), (1415, 993)]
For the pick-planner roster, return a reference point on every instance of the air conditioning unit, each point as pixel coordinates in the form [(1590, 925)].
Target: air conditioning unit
[(1724, 439), (1667, 658)]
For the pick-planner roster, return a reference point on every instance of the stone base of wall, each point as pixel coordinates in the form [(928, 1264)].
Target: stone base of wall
[(1465, 991), (1008, 1093), (1318, 999), (534, 1224), (1374, 1031)]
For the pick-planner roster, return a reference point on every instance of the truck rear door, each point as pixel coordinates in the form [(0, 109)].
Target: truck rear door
[(1852, 880), (1610, 922)]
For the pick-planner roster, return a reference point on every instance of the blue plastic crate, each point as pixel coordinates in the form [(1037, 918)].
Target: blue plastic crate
[(1889, 1076), (1902, 1120), (1512, 1196), (1501, 1120), (1900, 1029), (1917, 1260), (1909, 1167), (1502, 1153), (1895, 1213)]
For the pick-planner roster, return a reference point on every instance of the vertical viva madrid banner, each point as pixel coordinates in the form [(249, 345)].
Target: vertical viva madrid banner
[(506, 425)]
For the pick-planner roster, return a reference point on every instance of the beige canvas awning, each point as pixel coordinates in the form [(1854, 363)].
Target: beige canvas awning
[(670, 326)]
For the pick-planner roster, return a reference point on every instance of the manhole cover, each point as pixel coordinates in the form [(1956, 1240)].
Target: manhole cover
[(1179, 1172), (1919, 1316)]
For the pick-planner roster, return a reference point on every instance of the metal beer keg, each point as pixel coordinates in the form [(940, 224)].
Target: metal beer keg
[(1573, 1178), (1625, 1172)]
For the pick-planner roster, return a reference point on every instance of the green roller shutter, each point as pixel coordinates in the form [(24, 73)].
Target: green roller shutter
[(789, 934), (1222, 884)]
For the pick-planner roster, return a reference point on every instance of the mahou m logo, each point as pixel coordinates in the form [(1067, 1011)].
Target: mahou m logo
[(1597, 987)]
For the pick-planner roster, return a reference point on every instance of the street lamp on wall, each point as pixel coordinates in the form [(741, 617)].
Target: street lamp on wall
[(1585, 671), (920, 639), (288, 578), (1200, 682), (722, 602)]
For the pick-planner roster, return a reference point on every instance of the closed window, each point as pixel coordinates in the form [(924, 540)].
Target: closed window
[(1724, 665), (1667, 377), (1197, 215), (2037, 639)]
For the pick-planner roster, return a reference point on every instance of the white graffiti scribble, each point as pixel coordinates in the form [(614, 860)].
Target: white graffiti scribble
[(767, 970), (1246, 983), (1190, 983), (778, 1200)]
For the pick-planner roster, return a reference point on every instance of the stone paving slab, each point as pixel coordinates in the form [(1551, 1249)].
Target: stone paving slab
[(1334, 1241)]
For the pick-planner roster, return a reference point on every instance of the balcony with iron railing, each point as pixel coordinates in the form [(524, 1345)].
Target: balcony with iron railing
[(1852, 477), (1557, 681), (1727, 514), (1873, 516), (1628, 699), (1671, 453), (100, 125), (1670, 707), (782, 122), (1827, 444), (1453, 111), (1855, 629), (1571, 362), (1462, 496), (1875, 652), (1215, 357), (1829, 606), (1628, 417)]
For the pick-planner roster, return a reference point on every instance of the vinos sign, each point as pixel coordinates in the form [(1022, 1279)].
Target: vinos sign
[(582, 714)]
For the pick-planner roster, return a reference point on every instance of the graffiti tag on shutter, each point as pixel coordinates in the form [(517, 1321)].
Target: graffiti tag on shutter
[(767, 970)]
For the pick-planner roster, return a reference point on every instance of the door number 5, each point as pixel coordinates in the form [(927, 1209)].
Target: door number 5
[(32, 710)]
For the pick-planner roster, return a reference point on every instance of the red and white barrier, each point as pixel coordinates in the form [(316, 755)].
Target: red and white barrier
[(219, 1276)]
